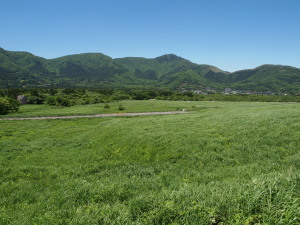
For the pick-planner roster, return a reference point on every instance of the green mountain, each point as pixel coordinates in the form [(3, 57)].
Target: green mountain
[(275, 78), (23, 69), (159, 67), (86, 66), (166, 71)]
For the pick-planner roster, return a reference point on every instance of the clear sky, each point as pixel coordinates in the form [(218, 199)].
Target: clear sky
[(229, 34)]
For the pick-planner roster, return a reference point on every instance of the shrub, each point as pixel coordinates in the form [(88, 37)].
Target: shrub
[(87, 101), (106, 106), (121, 107), (35, 100), (51, 100), (4, 106), (13, 105), (63, 101), (8, 105)]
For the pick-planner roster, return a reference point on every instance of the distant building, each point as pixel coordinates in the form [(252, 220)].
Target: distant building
[(200, 92), (22, 99), (228, 91)]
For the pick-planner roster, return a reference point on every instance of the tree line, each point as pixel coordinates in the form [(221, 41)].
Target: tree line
[(79, 96)]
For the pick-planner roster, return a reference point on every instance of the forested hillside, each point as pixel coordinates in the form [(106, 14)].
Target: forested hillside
[(23, 69)]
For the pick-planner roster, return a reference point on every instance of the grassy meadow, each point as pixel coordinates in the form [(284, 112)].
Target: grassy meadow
[(92, 109), (222, 163)]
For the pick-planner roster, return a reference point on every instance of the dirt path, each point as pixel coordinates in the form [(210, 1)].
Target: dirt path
[(98, 115)]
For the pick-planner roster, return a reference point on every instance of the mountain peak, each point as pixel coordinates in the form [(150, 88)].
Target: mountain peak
[(167, 58)]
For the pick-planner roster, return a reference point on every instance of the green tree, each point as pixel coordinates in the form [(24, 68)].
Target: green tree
[(63, 101), (51, 100), (8, 105), (33, 99)]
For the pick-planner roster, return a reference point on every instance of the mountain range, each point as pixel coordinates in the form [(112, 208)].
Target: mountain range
[(96, 70)]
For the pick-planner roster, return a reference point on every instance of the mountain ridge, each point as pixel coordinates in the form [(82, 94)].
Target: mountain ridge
[(24, 69)]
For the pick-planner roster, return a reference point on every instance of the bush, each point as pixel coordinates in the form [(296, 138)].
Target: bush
[(8, 105), (13, 104), (106, 106), (63, 101), (51, 100), (4, 106), (35, 100), (121, 107)]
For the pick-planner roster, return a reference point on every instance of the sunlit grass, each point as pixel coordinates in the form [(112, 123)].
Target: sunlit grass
[(230, 163), (130, 106)]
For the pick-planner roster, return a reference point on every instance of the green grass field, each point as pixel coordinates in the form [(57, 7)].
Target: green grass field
[(223, 163), (130, 106)]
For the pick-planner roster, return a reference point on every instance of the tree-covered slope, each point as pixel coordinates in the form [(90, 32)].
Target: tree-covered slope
[(18, 69), (271, 77), (276, 78), (161, 66), (23, 69), (88, 65), (167, 71)]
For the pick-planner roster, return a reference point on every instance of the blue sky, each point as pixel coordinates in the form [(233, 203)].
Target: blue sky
[(229, 34)]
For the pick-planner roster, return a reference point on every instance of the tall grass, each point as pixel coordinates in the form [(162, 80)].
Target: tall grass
[(224, 163)]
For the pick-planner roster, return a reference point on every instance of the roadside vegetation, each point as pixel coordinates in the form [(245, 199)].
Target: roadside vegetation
[(223, 163), (67, 97)]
